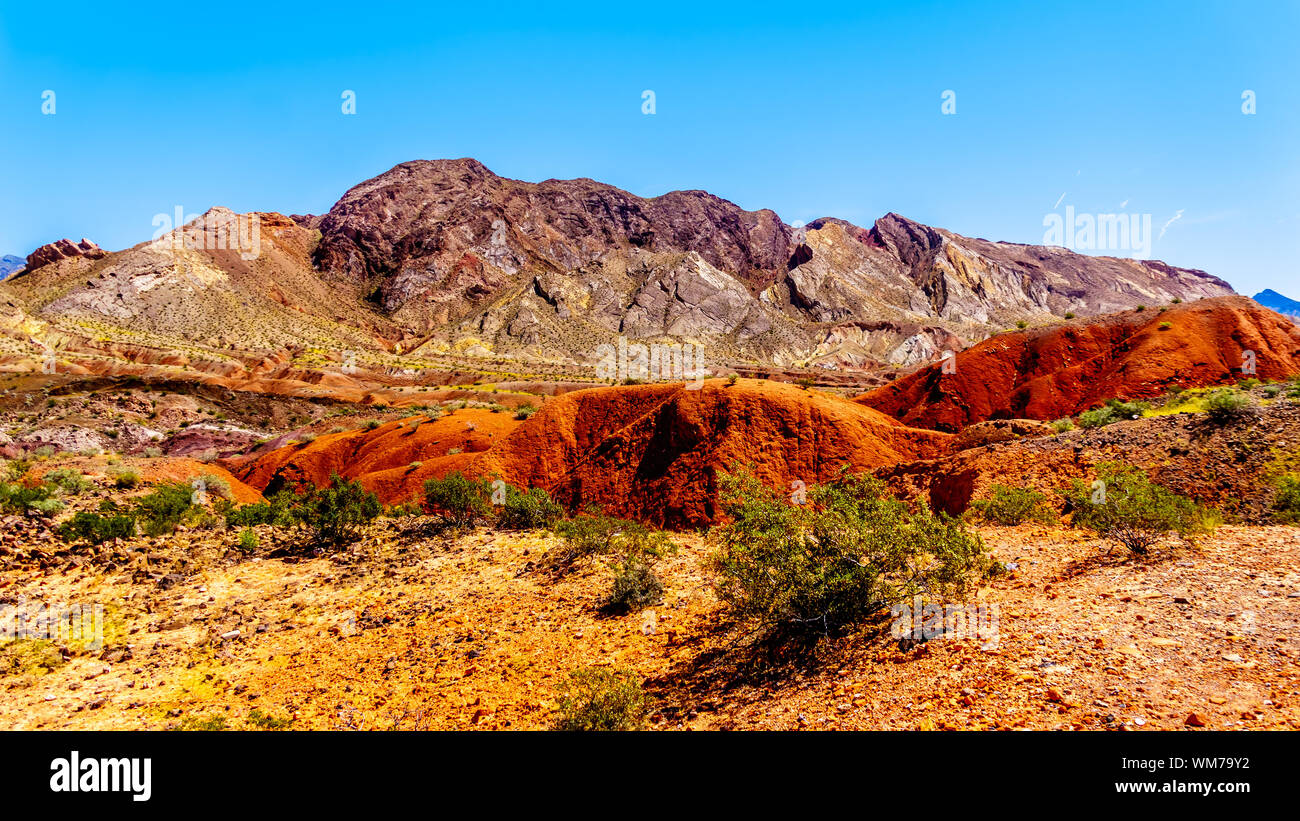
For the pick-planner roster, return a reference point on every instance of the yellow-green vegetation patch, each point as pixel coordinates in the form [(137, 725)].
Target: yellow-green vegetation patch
[(25, 655)]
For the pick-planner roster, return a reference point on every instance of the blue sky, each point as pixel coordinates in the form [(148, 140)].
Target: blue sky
[(809, 109)]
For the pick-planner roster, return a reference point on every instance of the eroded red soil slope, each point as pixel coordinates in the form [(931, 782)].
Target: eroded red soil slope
[(652, 452), (1054, 372)]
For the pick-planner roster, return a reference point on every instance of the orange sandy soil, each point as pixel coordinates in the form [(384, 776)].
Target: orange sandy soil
[(436, 632)]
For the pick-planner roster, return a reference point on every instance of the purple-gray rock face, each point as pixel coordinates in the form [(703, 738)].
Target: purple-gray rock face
[(63, 249), (446, 258), (450, 249)]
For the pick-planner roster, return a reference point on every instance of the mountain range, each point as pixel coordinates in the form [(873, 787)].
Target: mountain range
[(1283, 305), (10, 263), (438, 260)]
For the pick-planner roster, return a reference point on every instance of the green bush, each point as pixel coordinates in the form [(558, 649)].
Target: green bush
[(1133, 511), (635, 585), (248, 541), (1014, 505), (29, 500), (96, 529), (847, 552), (528, 510), (460, 501), (211, 724), (336, 514), (163, 508), (266, 721), (525, 411), (16, 469), (69, 481), (1063, 425), (276, 510), (1228, 405), (214, 485), (1286, 503), (595, 534), (598, 698), (126, 479), (1113, 411)]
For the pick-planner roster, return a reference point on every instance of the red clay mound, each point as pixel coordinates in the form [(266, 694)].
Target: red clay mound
[(392, 460), (1050, 373), (157, 471), (650, 452), (654, 452)]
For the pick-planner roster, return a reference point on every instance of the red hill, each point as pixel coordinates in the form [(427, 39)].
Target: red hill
[(1049, 373)]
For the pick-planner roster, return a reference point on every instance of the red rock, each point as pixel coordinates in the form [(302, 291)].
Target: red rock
[(1050, 373), (63, 249)]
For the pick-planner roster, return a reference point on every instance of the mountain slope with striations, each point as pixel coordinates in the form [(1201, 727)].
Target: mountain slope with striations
[(444, 259)]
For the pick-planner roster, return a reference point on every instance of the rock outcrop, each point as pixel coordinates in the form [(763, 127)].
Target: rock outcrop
[(63, 249), (1053, 372)]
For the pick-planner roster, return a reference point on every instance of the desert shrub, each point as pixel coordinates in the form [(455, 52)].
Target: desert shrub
[(805, 382), (211, 724), (152, 453), (528, 509), (69, 481), (635, 585), (525, 411), (1249, 383), (595, 534), (1131, 510), (163, 508), (597, 698), (30, 655), (248, 541), (1063, 425), (336, 514), (1069, 314), (16, 469), (460, 501), (1286, 503), (126, 479), (848, 551), (1164, 326), (1014, 505), (265, 721), (29, 500), (1271, 391), (276, 510), (1228, 405), (1113, 411), (214, 485), (731, 379), (93, 528), (371, 424), (402, 509)]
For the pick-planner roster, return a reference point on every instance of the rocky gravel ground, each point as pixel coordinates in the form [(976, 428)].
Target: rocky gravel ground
[(411, 629)]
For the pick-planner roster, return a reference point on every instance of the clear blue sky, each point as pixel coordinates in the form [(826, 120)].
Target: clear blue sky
[(809, 109)]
